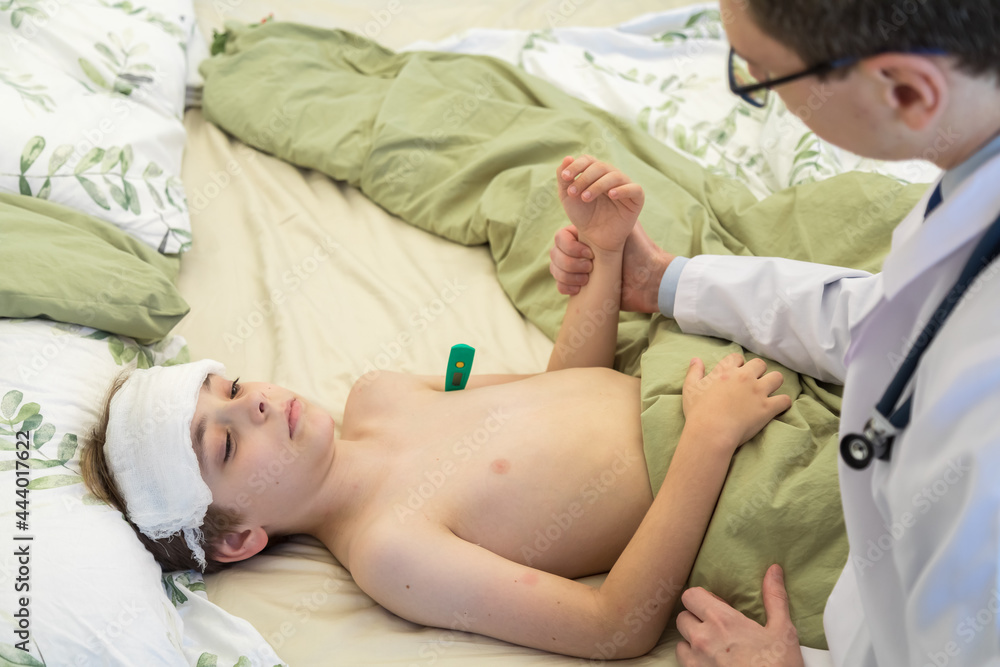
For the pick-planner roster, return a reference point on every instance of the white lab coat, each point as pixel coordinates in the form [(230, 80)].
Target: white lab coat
[(921, 584)]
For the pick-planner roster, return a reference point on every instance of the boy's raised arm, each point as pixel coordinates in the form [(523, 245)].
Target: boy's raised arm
[(604, 205)]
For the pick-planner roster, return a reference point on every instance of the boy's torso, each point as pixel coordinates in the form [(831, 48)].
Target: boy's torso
[(547, 471)]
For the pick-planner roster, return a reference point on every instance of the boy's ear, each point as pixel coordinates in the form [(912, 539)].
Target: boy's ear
[(914, 86), (240, 545)]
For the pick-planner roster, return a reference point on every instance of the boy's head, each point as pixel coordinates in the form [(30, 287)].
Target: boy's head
[(892, 103), (165, 454), (139, 458)]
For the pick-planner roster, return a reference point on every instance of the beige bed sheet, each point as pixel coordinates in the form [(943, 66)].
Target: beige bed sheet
[(300, 280)]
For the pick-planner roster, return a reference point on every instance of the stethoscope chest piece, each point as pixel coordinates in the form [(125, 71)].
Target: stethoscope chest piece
[(875, 441), (856, 451)]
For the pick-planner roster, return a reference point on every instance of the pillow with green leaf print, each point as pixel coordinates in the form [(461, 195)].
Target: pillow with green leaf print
[(92, 94)]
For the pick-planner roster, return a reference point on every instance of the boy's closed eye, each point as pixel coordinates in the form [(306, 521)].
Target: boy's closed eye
[(230, 444)]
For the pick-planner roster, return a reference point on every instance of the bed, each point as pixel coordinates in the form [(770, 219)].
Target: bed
[(293, 277)]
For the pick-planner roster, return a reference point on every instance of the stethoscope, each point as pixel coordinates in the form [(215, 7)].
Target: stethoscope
[(885, 424)]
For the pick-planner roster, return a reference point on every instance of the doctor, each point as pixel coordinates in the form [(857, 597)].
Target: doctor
[(919, 79)]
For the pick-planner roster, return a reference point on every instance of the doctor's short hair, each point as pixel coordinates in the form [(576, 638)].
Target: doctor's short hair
[(172, 553), (825, 30)]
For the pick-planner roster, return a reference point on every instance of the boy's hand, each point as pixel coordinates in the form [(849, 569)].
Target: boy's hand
[(600, 200), (734, 401)]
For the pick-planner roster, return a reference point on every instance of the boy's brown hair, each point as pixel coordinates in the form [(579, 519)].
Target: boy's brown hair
[(172, 553), (824, 30)]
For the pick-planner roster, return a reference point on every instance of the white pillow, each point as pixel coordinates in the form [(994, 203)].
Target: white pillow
[(92, 100), (92, 594)]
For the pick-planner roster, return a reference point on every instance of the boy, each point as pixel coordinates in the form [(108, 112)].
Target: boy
[(910, 80), (468, 552)]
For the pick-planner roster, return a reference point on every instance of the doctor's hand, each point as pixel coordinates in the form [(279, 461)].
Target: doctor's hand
[(715, 634), (643, 265)]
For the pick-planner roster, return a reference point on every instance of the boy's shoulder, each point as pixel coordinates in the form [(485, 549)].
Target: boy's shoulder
[(387, 544), (375, 394)]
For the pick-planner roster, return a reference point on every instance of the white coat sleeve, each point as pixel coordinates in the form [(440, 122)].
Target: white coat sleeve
[(797, 313)]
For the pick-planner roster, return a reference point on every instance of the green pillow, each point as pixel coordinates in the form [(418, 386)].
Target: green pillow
[(65, 265)]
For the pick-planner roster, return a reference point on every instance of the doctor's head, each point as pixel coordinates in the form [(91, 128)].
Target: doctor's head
[(206, 470), (908, 79)]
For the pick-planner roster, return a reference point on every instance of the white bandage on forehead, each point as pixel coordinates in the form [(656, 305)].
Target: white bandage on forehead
[(148, 449)]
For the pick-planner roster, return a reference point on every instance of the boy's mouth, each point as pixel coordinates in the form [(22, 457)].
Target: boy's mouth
[(294, 409)]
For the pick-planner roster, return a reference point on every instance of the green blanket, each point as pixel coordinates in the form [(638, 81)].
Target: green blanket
[(466, 147)]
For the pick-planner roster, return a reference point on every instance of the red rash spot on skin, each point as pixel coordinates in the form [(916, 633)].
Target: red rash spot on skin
[(530, 578), (500, 466)]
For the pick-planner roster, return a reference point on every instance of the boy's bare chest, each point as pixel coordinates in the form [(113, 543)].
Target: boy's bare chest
[(547, 471)]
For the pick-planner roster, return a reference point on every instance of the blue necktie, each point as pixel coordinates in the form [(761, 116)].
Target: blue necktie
[(934, 202)]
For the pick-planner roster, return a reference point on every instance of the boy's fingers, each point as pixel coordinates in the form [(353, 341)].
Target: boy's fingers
[(604, 182), (696, 371), (735, 359), (587, 177), (772, 381), (574, 168), (757, 366), (631, 191)]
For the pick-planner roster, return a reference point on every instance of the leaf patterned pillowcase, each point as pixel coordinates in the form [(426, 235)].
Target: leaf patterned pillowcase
[(91, 105)]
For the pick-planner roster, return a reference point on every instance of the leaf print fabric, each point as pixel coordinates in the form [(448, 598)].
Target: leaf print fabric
[(668, 74), (93, 97)]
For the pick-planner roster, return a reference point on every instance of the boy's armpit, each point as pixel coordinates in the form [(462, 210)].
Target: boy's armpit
[(436, 382), (428, 575)]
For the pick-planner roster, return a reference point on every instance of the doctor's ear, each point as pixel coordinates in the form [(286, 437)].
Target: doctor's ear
[(239, 544), (915, 87)]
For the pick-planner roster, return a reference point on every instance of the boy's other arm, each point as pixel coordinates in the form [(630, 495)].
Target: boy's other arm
[(604, 205), (589, 331)]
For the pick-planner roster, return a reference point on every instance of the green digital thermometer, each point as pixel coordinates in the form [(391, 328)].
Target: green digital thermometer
[(459, 367)]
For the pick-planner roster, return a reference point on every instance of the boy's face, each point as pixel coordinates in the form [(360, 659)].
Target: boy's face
[(850, 113), (269, 470)]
